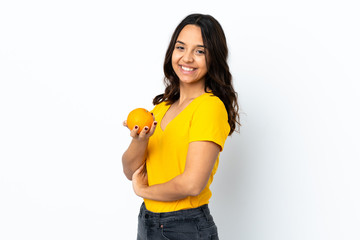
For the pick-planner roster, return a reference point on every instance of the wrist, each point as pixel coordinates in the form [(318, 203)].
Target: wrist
[(140, 141), (140, 190)]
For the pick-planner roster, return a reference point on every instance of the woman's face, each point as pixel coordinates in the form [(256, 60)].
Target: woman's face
[(188, 58)]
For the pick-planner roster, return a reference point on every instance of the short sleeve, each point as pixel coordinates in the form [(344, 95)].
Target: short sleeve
[(210, 122)]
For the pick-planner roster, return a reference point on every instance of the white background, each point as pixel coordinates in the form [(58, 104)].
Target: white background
[(70, 71)]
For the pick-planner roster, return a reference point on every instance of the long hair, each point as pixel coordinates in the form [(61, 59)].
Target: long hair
[(218, 78)]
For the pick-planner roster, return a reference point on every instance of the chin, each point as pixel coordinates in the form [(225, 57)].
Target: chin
[(188, 80)]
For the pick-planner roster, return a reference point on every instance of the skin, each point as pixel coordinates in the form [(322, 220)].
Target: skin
[(134, 157), (189, 52)]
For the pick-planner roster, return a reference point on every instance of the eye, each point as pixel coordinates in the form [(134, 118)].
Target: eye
[(200, 52), (179, 47)]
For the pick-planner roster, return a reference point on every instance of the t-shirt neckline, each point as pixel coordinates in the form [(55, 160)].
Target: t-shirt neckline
[(188, 106)]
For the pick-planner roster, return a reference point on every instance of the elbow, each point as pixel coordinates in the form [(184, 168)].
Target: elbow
[(129, 177), (190, 186), (126, 171), (194, 189), (127, 174)]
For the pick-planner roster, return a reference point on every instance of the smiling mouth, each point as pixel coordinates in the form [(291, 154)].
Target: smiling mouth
[(187, 69)]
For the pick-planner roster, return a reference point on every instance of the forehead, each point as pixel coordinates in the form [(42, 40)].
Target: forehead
[(191, 35)]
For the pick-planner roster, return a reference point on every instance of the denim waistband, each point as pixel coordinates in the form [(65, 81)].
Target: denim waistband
[(186, 213)]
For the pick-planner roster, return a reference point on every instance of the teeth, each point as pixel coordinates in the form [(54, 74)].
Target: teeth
[(187, 69)]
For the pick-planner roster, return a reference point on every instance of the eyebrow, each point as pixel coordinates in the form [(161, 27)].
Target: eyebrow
[(185, 44)]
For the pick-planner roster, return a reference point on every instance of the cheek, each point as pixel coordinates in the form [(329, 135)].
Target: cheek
[(175, 57), (202, 63)]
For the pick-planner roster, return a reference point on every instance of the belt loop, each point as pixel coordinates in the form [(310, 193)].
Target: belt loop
[(206, 213)]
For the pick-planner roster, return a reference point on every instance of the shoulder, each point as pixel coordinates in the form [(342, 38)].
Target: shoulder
[(210, 110), (209, 120), (212, 103)]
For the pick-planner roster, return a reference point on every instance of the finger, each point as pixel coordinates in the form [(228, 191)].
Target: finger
[(133, 132), (152, 129), (125, 124), (144, 170), (144, 132), (153, 116), (137, 171)]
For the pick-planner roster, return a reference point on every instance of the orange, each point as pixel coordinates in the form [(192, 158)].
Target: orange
[(140, 117)]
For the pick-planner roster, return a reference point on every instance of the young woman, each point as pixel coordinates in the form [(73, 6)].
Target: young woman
[(173, 165)]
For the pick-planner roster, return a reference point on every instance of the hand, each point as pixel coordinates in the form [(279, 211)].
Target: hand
[(144, 135), (140, 180)]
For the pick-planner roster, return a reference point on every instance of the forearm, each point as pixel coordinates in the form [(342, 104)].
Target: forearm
[(134, 156), (177, 188)]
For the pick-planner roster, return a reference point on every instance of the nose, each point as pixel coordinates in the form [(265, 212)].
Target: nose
[(188, 57)]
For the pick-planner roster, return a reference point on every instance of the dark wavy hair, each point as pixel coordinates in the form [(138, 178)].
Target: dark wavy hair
[(218, 78)]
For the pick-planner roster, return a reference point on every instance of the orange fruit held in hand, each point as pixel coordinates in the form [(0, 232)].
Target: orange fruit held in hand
[(140, 117)]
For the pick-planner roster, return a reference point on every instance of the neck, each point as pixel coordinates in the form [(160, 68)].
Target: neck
[(190, 92)]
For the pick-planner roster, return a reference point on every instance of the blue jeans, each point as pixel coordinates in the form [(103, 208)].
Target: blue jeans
[(189, 224)]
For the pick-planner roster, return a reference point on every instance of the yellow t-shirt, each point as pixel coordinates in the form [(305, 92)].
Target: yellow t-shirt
[(204, 119)]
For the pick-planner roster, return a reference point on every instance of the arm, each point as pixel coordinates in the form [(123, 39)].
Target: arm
[(135, 155), (200, 161)]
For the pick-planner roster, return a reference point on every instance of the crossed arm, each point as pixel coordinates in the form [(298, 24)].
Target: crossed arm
[(200, 161)]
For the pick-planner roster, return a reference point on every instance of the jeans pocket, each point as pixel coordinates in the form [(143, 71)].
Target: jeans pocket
[(207, 230), (204, 224), (164, 234)]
